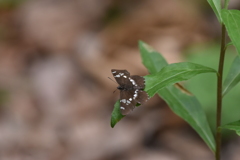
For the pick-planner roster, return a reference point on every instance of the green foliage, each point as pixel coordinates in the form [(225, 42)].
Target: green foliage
[(226, 4), (204, 86), (181, 103), (116, 114), (233, 126), (151, 59), (189, 108), (163, 76), (233, 76), (231, 19), (173, 73), (216, 6)]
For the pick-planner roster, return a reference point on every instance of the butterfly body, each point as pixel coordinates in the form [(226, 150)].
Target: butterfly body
[(131, 90)]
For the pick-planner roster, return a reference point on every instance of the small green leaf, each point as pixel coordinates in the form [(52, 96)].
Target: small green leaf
[(231, 19), (233, 126), (151, 59), (116, 114), (226, 4), (229, 44), (216, 6), (184, 105), (233, 77), (173, 73)]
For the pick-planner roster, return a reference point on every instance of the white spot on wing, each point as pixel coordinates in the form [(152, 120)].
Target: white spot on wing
[(122, 108), (117, 75), (135, 94), (133, 82), (123, 100), (114, 71)]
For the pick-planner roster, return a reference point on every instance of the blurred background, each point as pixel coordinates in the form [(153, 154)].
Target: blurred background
[(55, 97)]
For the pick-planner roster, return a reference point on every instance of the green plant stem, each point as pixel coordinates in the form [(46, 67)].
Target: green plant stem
[(219, 94)]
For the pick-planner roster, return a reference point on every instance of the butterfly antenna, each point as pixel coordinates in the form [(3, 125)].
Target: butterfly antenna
[(114, 91), (114, 82), (111, 79)]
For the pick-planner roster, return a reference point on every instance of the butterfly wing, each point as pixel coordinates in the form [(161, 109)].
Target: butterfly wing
[(122, 77), (141, 96), (139, 81), (126, 101)]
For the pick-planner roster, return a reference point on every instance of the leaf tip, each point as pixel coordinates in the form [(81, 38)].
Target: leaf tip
[(112, 123), (116, 114)]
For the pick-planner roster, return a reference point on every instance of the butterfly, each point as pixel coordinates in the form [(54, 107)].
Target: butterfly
[(131, 90)]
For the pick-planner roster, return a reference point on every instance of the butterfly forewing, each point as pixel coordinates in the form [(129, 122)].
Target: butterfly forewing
[(121, 76), (139, 81)]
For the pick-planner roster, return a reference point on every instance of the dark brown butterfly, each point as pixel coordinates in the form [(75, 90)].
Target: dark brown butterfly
[(131, 90)]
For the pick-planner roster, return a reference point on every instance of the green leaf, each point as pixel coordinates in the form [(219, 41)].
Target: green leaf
[(231, 19), (233, 77), (204, 87), (233, 126), (229, 44), (184, 105), (189, 108), (226, 4), (151, 59), (116, 114), (216, 6), (173, 73)]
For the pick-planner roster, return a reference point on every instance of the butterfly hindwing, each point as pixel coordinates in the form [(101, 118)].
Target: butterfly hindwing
[(142, 97), (126, 101)]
